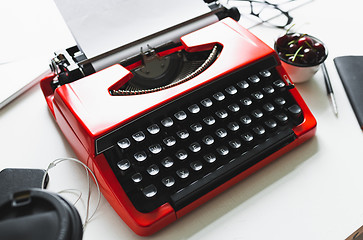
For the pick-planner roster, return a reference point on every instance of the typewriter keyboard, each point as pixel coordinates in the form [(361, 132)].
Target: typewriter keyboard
[(186, 148)]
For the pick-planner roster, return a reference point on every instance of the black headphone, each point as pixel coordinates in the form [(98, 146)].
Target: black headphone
[(34, 213)]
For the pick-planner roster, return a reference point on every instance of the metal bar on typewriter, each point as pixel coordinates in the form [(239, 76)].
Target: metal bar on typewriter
[(72, 64)]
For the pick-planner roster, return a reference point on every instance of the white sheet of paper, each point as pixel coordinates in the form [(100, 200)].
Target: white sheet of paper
[(27, 43), (102, 25), (18, 76)]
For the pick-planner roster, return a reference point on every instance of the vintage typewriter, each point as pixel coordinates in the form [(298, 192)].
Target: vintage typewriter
[(175, 125)]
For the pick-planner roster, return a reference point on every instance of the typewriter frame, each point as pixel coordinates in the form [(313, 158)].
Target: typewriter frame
[(77, 108)]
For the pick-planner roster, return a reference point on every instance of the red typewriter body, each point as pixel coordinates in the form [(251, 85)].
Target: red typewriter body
[(86, 112)]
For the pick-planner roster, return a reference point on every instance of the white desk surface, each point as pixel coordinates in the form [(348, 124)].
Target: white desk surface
[(313, 192)]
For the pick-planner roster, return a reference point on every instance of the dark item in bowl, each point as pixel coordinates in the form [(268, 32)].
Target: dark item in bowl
[(300, 49)]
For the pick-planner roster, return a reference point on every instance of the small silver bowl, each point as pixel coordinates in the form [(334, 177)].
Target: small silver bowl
[(301, 72)]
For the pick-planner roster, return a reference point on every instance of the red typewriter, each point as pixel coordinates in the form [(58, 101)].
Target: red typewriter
[(176, 125)]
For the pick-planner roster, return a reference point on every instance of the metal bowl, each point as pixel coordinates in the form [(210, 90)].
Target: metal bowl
[(300, 72)]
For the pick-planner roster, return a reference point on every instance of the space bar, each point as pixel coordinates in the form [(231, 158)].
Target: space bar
[(186, 195)]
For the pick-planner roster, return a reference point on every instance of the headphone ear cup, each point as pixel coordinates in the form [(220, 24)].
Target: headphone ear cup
[(76, 227), (38, 214)]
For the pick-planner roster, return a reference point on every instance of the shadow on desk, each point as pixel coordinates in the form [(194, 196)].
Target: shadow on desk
[(314, 94)]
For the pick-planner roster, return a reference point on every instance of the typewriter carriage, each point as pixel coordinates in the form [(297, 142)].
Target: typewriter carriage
[(72, 64), (157, 73)]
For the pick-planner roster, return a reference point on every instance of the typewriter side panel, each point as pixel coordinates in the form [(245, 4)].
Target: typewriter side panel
[(307, 128)]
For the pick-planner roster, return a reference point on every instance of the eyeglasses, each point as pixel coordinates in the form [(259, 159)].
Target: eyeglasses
[(272, 12)]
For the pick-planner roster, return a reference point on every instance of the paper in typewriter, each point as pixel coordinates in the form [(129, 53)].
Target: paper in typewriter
[(99, 26)]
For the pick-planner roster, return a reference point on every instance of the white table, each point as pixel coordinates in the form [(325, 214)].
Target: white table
[(313, 192)]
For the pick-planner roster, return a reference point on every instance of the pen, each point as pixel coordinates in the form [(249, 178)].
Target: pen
[(329, 88)]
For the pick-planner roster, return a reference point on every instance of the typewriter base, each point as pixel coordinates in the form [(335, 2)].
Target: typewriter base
[(77, 113)]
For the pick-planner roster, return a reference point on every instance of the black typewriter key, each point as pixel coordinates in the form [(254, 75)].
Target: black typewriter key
[(139, 136), (169, 141), (233, 126), (196, 127), (181, 115), (181, 155), (280, 101), (140, 156), (268, 89), (243, 84), (209, 120), (282, 118), (155, 148), (271, 124), (136, 178), (257, 95), (194, 108), (246, 101), (182, 173), (247, 137), (223, 151), (124, 143), (234, 107), (210, 158), (254, 79), (268, 107), (265, 73), (232, 160), (208, 140), (196, 165), (231, 90), (279, 83), (153, 129), (168, 181), (219, 96), (222, 114), (207, 102), (257, 113), (221, 132), (150, 191), (153, 170), (167, 122), (259, 130), (245, 120), (295, 110), (235, 143), (183, 134), (195, 147), (167, 162), (124, 164)]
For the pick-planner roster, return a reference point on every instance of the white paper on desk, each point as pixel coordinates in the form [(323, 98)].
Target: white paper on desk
[(20, 75), (99, 26)]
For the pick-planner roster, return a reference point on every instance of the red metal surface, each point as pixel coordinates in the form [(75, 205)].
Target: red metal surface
[(141, 223), (92, 112), (84, 110)]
